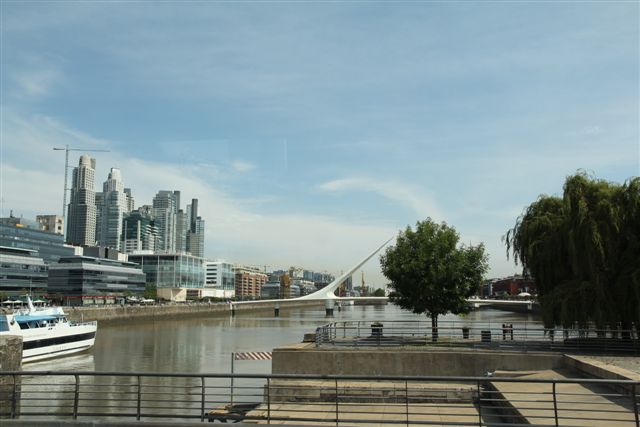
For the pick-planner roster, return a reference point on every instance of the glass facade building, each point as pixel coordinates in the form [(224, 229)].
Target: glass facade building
[(50, 246), (171, 270), (85, 280), (21, 270)]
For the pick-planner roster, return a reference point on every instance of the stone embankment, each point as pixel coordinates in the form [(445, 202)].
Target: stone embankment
[(127, 313)]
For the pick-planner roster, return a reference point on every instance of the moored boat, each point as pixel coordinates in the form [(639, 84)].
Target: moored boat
[(47, 333)]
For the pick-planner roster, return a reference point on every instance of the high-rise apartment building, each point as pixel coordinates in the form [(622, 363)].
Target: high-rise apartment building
[(81, 228), (195, 232), (165, 209), (51, 223), (112, 208)]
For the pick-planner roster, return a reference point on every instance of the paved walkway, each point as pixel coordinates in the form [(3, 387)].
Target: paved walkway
[(578, 405), (353, 414)]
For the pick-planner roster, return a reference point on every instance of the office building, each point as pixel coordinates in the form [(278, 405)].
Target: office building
[(139, 231), (165, 209), (220, 279), (50, 246), (177, 277), (182, 226), (112, 207), (21, 270), (130, 201), (195, 232), (83, 280), (51, 223), (81, 218)]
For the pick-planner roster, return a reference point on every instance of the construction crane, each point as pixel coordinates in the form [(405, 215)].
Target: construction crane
[(66, 149)]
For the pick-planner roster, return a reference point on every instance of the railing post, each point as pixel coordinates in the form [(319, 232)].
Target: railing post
[(138, 407), (634, 396), (479, 404), (406, 397), (555, 404), (202, 398), (14, 397), (337, 417), (76, 397), (268, 400)]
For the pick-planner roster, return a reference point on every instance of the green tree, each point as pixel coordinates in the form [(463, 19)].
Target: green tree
[(431, 273), (150, 291), (378, 293), (583, 249)]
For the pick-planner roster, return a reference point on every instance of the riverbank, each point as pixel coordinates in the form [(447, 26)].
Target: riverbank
[(126, 313)]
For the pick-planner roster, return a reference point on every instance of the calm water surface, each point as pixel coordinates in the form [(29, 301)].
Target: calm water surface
[(205, 345)]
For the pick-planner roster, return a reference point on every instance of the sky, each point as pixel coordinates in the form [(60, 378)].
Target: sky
[(311, 132)]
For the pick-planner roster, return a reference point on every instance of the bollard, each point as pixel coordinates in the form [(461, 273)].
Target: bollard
[(276, 311)]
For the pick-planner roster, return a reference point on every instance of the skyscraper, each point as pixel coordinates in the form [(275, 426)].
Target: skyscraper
[(165, 208), (195, 233), (112, 210), (81, 229)]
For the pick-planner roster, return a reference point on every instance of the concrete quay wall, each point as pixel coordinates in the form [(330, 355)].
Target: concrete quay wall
[(126, 313), (305, 358), (10, 360)]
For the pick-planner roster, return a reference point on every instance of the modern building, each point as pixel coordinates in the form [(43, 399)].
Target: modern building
[(51, 223), (50, 246), (220, 279), (305, 287), (275, 290), (21, 270), (81, 218), (249, 282), (139, 232), (195, 231), (177, 277), (112, 208), (83, 280), (166, 205)]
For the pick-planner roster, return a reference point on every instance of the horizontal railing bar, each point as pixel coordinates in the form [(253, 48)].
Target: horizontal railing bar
[(432, 378)]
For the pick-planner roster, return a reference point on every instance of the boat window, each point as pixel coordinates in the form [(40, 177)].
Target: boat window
[(4, 326)]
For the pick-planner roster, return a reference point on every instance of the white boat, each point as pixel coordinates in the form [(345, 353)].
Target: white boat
[(47, 333)]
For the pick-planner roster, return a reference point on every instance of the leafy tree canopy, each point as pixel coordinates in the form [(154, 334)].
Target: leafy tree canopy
[(430, 272), (583, 249), (378, 293)]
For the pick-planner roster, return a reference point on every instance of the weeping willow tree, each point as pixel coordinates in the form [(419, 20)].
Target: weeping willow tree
[(584, 251)]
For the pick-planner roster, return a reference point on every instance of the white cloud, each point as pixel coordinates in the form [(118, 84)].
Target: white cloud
[(238, 231), (242, 166), (416, 199), (37, 82)]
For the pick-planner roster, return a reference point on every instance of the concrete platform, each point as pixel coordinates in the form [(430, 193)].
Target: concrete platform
[(577, 404), (355, 414)]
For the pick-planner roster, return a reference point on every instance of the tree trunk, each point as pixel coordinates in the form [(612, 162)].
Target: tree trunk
[(434, 328)]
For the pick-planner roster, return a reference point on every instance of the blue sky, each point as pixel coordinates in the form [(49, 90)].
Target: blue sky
[(312, 132)]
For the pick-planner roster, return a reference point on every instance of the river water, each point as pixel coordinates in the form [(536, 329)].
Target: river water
[(205, 345)]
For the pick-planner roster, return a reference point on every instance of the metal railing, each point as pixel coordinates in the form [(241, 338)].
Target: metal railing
[(527, 336), (321, 400)]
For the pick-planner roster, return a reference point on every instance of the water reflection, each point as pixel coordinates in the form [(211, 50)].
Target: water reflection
[(205, 344)]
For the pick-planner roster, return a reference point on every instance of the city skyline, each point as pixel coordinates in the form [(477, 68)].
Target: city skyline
[(312, 133)]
